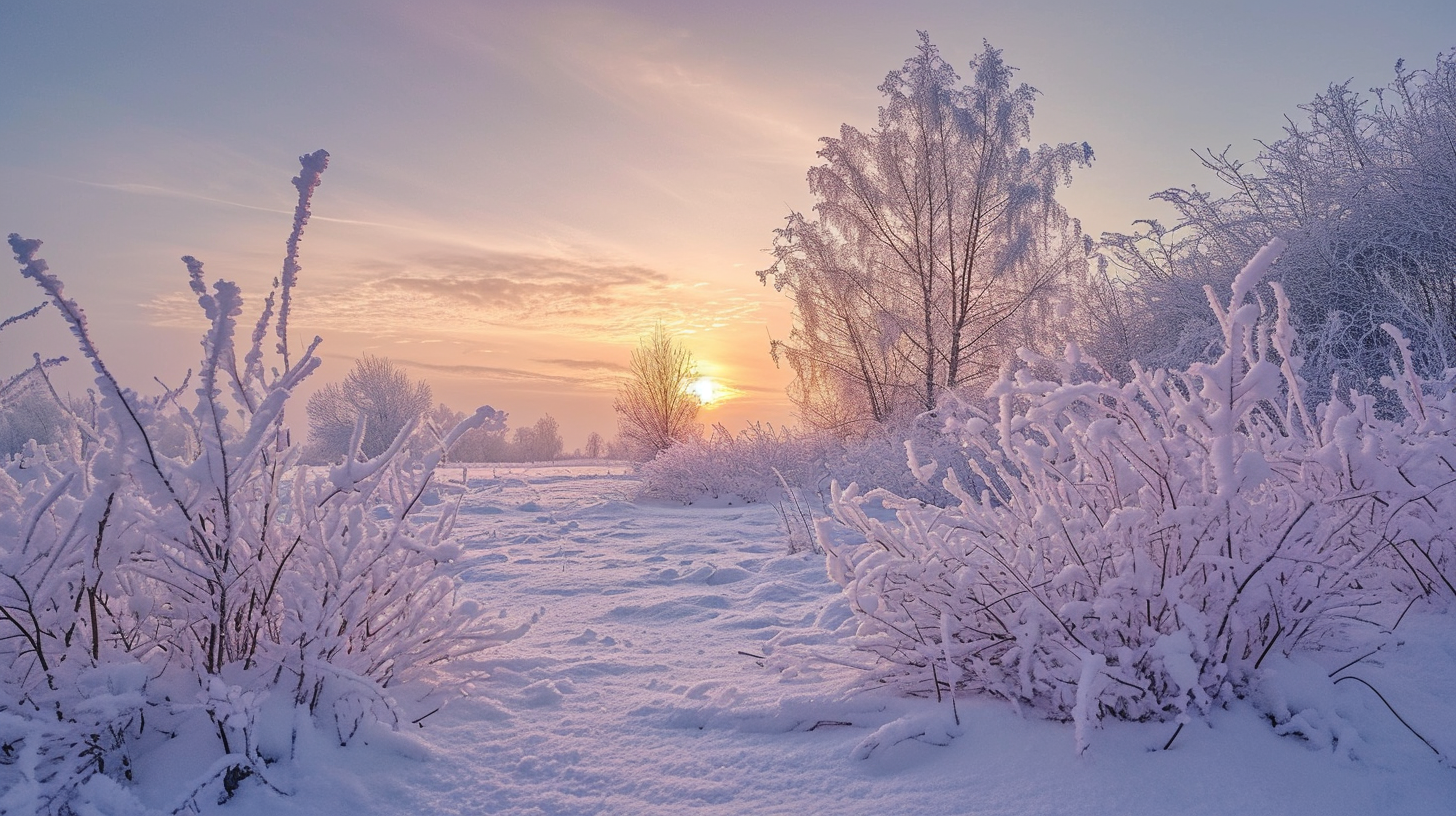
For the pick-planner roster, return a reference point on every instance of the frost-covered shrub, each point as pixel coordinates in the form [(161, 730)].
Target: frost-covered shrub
[(760, 461), (1363, 187), (879, 458), (1136, 549), (754, 465), (180, 563), (30, 408), (32, 415), (376, 389)]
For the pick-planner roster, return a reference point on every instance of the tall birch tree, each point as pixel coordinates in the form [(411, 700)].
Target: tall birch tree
[(937, 250)]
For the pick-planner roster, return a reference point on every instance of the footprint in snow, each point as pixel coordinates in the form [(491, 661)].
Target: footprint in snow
[(727, 575), (707, 574), (543, 693)]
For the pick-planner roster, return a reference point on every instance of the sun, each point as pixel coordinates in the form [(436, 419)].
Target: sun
[(706, 390)]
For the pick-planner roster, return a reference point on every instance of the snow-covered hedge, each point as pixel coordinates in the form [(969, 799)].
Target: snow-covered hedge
[(151, 583), (1138, 549), (758, 462), (755, 465), (793, 469)]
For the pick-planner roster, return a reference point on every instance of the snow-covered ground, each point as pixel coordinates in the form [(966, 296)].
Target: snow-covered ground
[(682, 661)]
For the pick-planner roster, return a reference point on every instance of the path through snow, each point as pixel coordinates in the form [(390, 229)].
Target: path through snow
[(641, 689)]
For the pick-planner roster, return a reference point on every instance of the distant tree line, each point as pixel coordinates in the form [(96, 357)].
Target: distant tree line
[(377, 400), (540, 442)]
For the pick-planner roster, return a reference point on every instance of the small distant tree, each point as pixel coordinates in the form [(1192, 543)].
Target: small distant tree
[(594, 445), (443, 416), (548, 438), (487, 443), (654, 407), (539, 443), (618, 448), (375, 389)]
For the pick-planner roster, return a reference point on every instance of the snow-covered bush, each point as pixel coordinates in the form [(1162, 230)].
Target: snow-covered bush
[(31, 415), (1137, 549), (1363, 187), (376, 389), (757, 462), (793, 469), (752, 466), (878, 458), (30, 408), (144, 585)]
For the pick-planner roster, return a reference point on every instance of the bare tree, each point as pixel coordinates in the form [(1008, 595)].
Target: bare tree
[(378, 391), (938, 249), (654, 407)]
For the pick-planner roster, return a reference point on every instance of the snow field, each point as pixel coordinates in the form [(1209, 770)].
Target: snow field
[(682, 662)]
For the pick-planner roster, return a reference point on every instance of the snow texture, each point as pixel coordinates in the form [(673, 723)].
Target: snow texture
[(682, 662), (1139, 550)]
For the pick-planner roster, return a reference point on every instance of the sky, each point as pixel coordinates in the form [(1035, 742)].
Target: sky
[(520, 190)]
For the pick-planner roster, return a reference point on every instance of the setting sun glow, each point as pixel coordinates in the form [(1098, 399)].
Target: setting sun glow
[(706, 390)]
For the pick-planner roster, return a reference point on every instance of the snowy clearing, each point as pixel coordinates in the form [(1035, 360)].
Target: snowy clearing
[(683, 662)]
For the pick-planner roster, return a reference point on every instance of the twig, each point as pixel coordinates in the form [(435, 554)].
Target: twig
[(1176, 732), (1351, 663), (1392, 711), (1407, 609)]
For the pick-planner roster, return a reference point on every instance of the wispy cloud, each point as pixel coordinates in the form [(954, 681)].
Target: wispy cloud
[(506, 374), (515, 285), (487, 292), (593, 300), (159, 191), (587, 365), (753, 388), (639, 65)]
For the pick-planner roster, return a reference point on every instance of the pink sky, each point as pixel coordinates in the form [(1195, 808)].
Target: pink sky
[(519, 190)]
